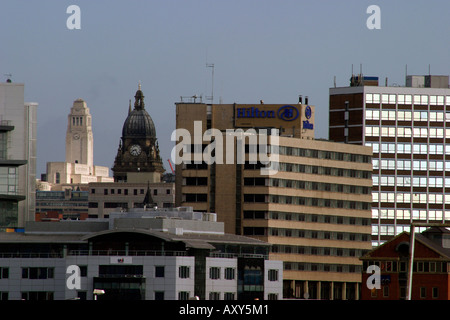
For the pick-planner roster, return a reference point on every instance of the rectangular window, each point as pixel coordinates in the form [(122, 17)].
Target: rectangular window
[(159, 271), (184, 272), (228, 296), (183, 295), (273, 275), (214, 296), (4, 273), (214, 273), (229, 273), (37, 273)]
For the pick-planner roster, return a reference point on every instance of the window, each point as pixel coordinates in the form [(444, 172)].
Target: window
[(423, 292), (273, 275), (228, 296), (214, 296), (214, 273), (183, 295), (4, 273), (435, 292), (184, 272), (229, 274), (37, 295), (385, 291), (159, 271), (272, 296), (159, 295), (37, 273)]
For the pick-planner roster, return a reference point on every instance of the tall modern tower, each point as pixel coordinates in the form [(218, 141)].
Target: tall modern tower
[(408, 128), (79, 137), (17, 157)]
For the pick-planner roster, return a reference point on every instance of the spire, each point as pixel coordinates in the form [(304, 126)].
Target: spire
[(139, 99), (148, 200)]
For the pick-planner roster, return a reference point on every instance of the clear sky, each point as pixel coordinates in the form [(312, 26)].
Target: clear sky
[(261, 49)]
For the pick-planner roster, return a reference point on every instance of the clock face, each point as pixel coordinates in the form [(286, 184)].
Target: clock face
[(76, 136), (135, 150)]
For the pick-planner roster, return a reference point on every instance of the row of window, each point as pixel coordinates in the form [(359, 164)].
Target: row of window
[(77, 121), (406, 99), (319, 186), (405, 115), (313, 202), (423, 292), (408, 148), (306, 217), (402, 266), (329, 171), (407, 181), (294, 151), (308, 234), (323, 154), (407, 165), (125, 191), (322, 267), (318, 251), (406, 132), (159, 295), (407, 214), (411, 197)]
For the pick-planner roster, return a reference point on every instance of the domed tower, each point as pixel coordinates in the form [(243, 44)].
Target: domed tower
[(138, 158)]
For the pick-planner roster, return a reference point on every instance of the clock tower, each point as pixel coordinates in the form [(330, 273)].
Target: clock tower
[(79, 137), (138, 158)]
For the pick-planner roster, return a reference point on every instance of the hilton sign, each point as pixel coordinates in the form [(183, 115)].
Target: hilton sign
[(286, 113), (274, 116)]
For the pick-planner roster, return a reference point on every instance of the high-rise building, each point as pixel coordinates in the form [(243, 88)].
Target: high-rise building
[(312, 205), (18, 130), (79, 168), (408, 128), (79, 137)]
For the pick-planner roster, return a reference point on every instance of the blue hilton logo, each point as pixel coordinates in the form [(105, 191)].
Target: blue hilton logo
[(306, 124)]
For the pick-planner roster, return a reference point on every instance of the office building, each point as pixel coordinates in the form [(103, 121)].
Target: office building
[(61, 205), (18, 130), (312, 205), (141, 254), (407, 127)]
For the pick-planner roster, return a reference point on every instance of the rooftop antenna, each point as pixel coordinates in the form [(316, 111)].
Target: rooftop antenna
[(211, 65)]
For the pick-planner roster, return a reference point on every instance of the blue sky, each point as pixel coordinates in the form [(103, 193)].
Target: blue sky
[(261, 49)]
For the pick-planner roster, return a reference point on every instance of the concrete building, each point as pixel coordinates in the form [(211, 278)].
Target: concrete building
[(18, 131), (61, 205), (408, 128), (105, 198), (79, 166), (150, 254), (431, 267), (314, 208)]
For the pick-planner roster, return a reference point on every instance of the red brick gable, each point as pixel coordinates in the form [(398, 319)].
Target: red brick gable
[(389, 249)]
